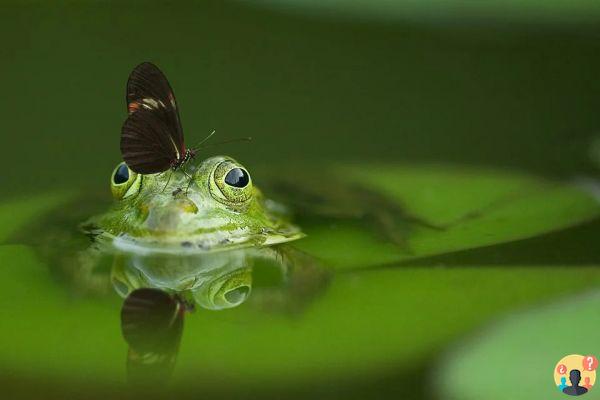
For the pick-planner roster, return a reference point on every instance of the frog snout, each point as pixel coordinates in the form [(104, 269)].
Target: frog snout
[(186, 205), (170, 217)]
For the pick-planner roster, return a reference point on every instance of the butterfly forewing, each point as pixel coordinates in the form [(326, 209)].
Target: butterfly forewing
[(148, 89), (146, 145)]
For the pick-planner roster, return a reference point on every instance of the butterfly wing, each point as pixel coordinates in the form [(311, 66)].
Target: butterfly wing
[(146, 144), (148, 89)]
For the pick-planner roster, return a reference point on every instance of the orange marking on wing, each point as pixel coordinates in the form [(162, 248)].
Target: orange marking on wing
[(133, 107)]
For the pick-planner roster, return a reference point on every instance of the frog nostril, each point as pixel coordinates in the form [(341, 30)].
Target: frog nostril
[(188, 206)]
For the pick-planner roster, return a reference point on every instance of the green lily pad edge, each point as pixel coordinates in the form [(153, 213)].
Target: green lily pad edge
[(472, 207)]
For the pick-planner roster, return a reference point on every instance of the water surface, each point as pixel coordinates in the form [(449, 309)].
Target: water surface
[(458, 116)]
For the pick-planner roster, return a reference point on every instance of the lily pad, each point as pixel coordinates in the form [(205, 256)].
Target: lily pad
[(471, 208), (503, 362)]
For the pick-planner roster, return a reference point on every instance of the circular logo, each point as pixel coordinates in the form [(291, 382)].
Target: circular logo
[(575, 374)]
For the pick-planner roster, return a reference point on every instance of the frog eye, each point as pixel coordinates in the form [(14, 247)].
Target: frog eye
[(233, 184), (237, 177), (124, 182)]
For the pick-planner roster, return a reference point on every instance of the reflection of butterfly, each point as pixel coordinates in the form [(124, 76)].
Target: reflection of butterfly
[(152, 325), (151, 137)]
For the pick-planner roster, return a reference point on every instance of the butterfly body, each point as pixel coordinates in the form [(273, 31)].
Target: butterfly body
[(188, 155)]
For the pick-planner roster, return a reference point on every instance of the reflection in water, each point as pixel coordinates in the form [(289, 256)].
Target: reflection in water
[(160, 288), (283, 278), (213, 281), (152, 324)]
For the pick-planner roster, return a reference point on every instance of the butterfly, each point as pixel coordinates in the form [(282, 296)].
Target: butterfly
[(151, 137)]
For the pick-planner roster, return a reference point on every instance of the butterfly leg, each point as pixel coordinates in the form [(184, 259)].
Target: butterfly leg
[(190, 179), (168, 180)]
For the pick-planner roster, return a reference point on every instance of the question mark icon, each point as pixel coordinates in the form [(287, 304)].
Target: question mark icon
[(590, 363), (561, 369)]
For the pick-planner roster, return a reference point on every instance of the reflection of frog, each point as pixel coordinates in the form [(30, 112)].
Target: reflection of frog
[(225, 279), (159, 288), (220, 209)]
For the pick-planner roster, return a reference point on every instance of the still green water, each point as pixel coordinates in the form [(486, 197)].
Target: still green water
[(465, 139)]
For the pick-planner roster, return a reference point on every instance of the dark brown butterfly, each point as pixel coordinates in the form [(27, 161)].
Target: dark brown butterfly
[(152, 137)]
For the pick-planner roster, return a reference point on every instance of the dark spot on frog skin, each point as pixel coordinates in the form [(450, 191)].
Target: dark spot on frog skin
[(186, 244)]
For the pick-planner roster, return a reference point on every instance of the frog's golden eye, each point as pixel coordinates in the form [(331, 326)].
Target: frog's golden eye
[(233, 184), (124, 182)]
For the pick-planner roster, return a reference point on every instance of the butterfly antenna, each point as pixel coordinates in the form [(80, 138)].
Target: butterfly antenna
[(243, 139), (205, 139)]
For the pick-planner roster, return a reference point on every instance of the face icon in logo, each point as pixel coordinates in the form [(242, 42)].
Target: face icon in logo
[(575, 374)]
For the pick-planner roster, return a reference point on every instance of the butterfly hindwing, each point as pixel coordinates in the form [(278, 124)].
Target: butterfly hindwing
[(146, 145)]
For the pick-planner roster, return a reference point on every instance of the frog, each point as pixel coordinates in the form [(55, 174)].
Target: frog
[(219, 209)]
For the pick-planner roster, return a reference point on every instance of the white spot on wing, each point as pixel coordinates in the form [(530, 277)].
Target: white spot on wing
[(151, 103)]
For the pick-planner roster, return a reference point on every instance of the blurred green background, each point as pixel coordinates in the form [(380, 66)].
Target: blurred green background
[(484, 85), (507, 91)]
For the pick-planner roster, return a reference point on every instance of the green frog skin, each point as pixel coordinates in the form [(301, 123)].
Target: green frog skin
[(211, 207)]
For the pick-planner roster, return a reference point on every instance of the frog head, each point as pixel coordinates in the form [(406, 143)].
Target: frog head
[(212, 206)]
